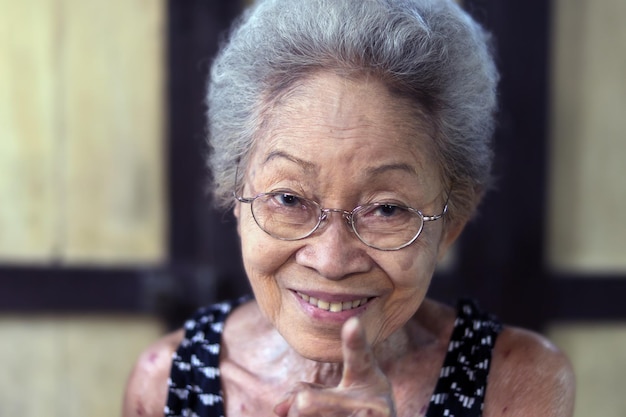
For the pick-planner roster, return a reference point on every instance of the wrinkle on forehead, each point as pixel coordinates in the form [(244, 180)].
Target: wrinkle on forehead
[(325, 103), (335, 94)]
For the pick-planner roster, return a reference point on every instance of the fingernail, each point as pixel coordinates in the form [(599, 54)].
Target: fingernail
[(352, 322)]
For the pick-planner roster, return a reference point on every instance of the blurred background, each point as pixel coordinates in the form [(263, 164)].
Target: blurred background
[(108, 240)]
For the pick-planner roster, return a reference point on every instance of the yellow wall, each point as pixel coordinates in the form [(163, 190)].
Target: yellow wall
[(598, 354), (81, 182), (588, 191), (69, 366), (81, 131), (587, 215)]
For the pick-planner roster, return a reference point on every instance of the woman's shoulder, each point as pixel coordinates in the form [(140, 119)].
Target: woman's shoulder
[(529, 376), (146, 390), (147, 387)]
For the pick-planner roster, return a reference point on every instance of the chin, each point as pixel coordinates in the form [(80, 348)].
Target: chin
[(328, 351), (334, 356)]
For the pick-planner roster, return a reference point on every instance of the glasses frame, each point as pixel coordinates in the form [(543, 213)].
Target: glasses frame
[(347, 215)]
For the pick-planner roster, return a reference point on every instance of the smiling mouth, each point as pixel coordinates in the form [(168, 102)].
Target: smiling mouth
[(332, 306)]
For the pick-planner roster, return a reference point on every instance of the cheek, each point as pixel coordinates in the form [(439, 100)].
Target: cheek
[(408, 263), (412, 272), (263, 256), (259, 258), (420, 257), (261, 264)]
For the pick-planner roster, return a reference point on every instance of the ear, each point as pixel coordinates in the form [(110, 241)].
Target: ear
[(451, 232), (237, 213)]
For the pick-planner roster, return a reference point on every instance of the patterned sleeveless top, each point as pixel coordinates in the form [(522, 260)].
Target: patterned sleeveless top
[(195, 389)]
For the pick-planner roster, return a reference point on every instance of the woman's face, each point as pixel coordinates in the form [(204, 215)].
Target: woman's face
[(341, 143)]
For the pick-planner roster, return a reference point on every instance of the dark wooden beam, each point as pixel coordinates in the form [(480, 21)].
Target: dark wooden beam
[(585, 298), (170, 292)]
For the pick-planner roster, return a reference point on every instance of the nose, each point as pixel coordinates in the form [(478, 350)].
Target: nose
[(334, 251)]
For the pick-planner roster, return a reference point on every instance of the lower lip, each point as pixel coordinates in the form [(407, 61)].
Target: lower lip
[(325, 315)]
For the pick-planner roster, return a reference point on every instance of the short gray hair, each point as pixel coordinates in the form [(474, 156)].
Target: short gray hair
[(427, 51)]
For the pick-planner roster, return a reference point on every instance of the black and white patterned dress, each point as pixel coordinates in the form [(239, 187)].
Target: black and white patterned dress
[(195, 389)]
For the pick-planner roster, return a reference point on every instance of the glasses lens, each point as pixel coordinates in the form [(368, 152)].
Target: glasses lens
[(285, 216), (387, 226)]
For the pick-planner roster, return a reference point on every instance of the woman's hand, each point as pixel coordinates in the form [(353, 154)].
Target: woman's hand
[(363, 391)]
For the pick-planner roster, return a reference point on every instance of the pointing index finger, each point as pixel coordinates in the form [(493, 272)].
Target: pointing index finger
[(358, 358)]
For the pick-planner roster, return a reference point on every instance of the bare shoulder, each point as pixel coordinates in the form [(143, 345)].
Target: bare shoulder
[(529, 377), (146, 390)]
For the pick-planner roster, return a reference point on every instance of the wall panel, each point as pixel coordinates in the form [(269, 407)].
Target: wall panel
[(588, 192), (69, 366), (82, 129), (598, 355), (114, 122), (29, 125)]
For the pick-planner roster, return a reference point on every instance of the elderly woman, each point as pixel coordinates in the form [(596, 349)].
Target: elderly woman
[(351, 139)]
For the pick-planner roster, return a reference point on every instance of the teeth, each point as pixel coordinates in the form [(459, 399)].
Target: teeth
[(334, 307)]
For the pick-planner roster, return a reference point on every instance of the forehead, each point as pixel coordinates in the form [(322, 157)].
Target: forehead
[(346, 101), (329, 118)]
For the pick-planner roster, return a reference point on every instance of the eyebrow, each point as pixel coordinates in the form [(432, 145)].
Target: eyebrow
[(306, 165), (391, 167), (311, 167)]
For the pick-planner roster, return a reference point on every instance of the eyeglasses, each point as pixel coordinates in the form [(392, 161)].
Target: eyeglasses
[(383, 226)]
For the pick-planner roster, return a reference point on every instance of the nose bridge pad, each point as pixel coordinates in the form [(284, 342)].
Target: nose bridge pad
[(347, 216)]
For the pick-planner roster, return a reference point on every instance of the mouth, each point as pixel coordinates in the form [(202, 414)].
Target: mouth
[(333, 306)]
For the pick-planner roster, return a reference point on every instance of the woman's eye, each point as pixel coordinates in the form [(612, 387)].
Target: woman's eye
[(386, 213), (288, 200), (387, 210)]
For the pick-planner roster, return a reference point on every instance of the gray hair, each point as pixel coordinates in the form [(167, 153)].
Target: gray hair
[(427, 51)]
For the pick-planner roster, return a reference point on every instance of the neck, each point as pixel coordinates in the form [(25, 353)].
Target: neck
[(297, 367), (282, 363)]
